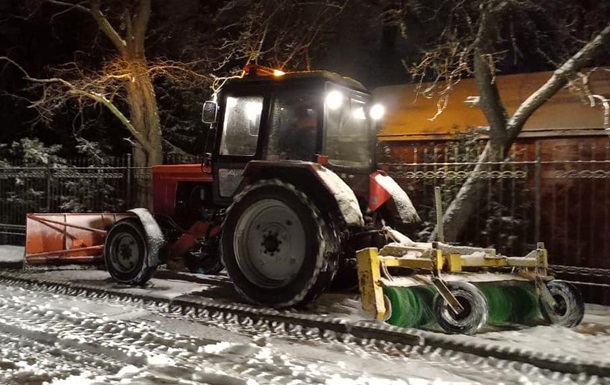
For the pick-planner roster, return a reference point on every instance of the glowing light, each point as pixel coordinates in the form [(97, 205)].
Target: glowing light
[(358, 114), (377, 112), (278, 73), (253, 110), (334, 100), (231, 102)]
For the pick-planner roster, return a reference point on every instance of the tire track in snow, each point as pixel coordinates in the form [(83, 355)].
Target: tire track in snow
[(57, 343), (88, 345)]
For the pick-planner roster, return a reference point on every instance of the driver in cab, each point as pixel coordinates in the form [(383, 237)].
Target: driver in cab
[(301, 137)]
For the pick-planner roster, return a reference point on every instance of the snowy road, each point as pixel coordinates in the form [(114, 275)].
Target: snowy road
[(58, 339)]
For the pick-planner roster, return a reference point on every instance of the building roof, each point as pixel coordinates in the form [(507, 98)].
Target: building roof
[(409, 116)]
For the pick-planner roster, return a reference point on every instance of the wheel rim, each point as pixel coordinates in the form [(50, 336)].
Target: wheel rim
[(269, 243), (569, 306), (471, 318), (561, 304), (125, 253), (458, 318)]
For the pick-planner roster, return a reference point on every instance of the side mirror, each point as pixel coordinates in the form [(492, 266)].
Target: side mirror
[(208, 115)]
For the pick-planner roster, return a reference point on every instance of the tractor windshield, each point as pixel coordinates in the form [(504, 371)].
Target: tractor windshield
[(348, 140)]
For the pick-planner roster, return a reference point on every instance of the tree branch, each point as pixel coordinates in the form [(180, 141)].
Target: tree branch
[(73, 90), (559, 79), (70, 6), (142, 18), (106, 27)]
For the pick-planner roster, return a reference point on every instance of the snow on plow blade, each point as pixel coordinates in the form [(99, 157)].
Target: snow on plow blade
[(67, 238)]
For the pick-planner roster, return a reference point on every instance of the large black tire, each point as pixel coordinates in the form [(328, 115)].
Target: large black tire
[(126, 253), (276, 247), (471, 319), (570, 308)]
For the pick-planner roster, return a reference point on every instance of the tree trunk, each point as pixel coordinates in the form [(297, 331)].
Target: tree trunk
[(467, 199), (144, 116), (465, 202), (143, 108), (504, 130)]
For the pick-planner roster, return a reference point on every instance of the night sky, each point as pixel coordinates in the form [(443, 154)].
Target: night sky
[(358, 42)]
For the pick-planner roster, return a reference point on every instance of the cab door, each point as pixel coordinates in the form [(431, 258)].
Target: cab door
[(239, 139)]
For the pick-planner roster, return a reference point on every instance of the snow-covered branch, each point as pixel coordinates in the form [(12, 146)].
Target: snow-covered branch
[(558, 80)]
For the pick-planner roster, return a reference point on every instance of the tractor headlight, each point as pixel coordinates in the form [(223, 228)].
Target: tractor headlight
[(377, 112), (334, 100)]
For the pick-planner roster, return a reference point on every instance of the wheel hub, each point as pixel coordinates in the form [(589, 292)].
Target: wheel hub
[(269, 243), (467, 309), (126, 253), (561, 307)]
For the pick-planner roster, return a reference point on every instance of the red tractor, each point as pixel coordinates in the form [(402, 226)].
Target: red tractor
[(288, 194), (285, 200)]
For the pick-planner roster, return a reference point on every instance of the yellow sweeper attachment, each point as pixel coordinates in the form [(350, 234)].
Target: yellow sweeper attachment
[(461, 289)]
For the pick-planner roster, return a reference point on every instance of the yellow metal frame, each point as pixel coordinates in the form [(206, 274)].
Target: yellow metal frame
[(369, 281)]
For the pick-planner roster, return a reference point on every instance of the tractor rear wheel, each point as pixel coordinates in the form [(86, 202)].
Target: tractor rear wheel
[(126, 253), (276, 247)]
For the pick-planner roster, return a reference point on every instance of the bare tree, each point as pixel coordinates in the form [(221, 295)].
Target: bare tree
[(272, 32), (480, 38), (127, 77)]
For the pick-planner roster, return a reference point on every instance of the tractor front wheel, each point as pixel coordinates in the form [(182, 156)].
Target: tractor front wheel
[(126, 253), (276, 247)]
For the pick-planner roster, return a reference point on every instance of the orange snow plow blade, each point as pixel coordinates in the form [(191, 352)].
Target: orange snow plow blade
[(67, 238)]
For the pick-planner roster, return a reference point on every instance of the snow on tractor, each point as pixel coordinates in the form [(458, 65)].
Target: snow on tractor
[(289, 202)]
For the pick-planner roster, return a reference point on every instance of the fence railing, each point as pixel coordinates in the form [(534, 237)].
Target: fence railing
[(540, 195), (79, 185), (557, 192)]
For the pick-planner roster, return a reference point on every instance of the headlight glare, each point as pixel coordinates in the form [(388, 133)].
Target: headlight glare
[(377, 112)]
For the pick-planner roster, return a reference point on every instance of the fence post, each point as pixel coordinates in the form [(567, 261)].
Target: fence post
[(49, 176), (128, 181), (538, 184)]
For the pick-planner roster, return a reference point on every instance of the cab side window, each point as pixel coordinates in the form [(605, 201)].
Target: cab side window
[(294, 121), (241, 125)]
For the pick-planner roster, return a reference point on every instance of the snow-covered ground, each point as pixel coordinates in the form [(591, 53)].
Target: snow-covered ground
[(57, 339), (11, 254)]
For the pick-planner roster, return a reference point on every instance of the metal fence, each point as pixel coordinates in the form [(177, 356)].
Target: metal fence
[(79, 185), (557, 194)]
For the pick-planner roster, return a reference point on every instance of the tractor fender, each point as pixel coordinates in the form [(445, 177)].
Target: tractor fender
[(311, 177), (154, 235), (383, 189)]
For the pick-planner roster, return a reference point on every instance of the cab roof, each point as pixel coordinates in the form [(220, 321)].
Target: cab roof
[(310, 77)]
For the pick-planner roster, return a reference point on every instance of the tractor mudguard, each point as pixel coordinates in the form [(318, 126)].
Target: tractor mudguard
[(154, 235), (382, 189), (342, 193)]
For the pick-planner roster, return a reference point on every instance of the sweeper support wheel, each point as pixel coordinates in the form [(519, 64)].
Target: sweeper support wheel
[(569, 307), (471, 318)]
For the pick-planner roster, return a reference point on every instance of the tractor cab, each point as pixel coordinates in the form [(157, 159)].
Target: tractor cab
[(271, 116)]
